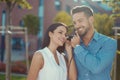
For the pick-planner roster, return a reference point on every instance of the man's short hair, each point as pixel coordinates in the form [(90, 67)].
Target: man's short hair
[(87, 10)]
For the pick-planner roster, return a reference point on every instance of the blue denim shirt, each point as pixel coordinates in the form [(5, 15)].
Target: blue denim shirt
[(94, 62)]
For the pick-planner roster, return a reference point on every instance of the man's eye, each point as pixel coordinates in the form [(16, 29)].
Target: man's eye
[(79, 21)]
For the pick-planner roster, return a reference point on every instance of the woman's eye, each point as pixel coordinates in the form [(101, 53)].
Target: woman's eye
[(60, 32)]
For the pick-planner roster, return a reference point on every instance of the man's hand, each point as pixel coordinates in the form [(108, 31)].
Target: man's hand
[(75, 40)]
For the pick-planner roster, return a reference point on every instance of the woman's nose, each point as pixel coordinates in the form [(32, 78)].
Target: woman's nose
[(64, 36)]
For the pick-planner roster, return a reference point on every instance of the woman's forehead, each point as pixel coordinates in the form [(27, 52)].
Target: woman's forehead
[(62, 28)]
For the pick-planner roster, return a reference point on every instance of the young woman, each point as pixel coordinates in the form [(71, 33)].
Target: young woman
[(49, 62)]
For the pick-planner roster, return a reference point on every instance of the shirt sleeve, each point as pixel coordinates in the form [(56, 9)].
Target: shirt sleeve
[(103, 58)]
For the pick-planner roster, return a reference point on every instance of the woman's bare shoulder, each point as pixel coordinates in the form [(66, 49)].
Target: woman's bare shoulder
[(38, 55), (38, 58)]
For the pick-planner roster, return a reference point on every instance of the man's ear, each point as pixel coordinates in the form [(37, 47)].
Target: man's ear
[(91, 19)]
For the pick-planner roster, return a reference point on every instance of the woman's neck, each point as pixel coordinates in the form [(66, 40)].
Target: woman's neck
[(52, 49)]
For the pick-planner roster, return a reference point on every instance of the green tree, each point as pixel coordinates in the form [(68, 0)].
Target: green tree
[(104, 23), (64, 17), (10, 4), (32, 22), (115, 4)]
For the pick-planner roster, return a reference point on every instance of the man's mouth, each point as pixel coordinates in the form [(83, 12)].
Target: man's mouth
[(80, 28)]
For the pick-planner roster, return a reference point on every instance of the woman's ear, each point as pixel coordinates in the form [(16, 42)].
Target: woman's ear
[(50, 34)]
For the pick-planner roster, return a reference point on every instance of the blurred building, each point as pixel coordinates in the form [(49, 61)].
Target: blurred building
[(52, 7), (17, 15), (46, 10)]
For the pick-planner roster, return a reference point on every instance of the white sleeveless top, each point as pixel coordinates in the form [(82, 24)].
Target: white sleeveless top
[(51, 70)]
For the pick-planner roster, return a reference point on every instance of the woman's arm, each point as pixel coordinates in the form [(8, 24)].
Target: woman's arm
[(36, 64), (72, 72)]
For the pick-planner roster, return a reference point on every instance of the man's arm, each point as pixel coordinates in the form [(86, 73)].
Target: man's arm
[(103, 58)]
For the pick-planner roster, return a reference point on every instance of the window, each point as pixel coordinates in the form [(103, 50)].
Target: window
[(21, 23), (75, 0), (58, 4), (96, 0), (3, 17), (19, 7), (3, 21), (17, 43), (41, 16), (68, 9), (40, 2)]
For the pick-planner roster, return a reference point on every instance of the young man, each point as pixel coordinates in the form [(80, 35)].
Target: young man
[(93, 52)]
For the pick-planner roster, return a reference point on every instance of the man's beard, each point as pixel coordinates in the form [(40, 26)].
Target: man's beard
[(84, 33)]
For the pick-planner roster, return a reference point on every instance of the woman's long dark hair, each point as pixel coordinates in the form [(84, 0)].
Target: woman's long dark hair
[(46, 39)]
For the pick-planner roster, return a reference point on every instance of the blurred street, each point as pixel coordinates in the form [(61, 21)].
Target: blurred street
[(16, 55)]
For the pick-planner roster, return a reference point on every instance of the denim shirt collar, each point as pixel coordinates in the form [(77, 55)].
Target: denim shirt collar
[(95, 37)]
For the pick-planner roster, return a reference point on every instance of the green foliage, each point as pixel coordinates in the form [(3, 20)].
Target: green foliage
[(2, 77), (115, 16), (64, 17), (24, 4), (12, 3), (103, 23), (32, 23), (115, 4), (118, 51)]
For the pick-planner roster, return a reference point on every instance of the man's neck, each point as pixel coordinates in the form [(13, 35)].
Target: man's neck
[(87, 38)]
